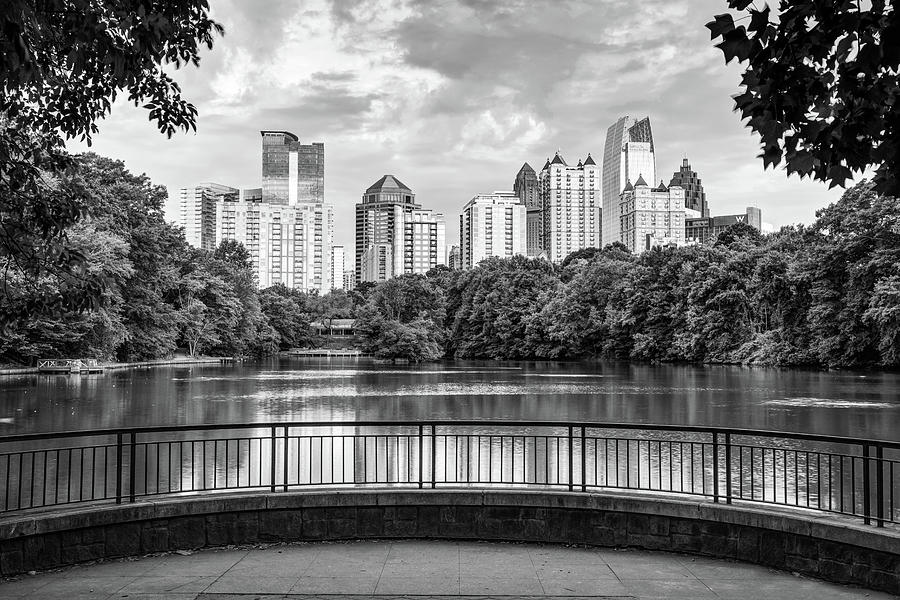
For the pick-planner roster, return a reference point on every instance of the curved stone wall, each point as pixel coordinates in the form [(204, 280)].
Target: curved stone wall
[(822, 547)]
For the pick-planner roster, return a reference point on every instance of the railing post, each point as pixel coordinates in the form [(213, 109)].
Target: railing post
[(583, 461), (571, 463), (284, 464), (421, 458), (879, 485), (272, 460), (728, 468), (715, 469), (132, 466), (118, 468), (867, 484), (433, 456)]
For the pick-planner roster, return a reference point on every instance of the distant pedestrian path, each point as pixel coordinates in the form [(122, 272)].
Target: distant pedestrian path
[(424, 569)]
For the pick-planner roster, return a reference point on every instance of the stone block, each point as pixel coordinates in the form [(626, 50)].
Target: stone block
[(459, 521), (315, 524), (881, 561), (70, 555), (681, 542), (187, 532), (771, 549), (123, 540), (12, 559), (154, 537), (801, 564), (802, 546), (370, 521), (721, 546), (885, 581), (747, 547), (647, 525), (835, 571), (280, 525), (42, 552), (428, 522)]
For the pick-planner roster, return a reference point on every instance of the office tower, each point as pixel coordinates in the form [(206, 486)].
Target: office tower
[(338, 259), (627, 155), (394, 235), (455, 258), (527, 189), (651, 217), (570, 197), (292, 173), (492, 225), (705, 230), (197, 213), (694, 196)]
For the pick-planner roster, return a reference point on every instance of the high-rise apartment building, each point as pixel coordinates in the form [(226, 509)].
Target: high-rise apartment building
[(526, 187), (292, 173), (349, 280), (628, 154), (338, 263), (651, 217), (394, 235), (570, 197), (492, 225), (454, 258), (290, 245), (285, 225), (694, 196), (705, 230), (197, 213)]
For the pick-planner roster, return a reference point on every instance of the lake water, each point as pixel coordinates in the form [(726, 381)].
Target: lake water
[(840, 403)]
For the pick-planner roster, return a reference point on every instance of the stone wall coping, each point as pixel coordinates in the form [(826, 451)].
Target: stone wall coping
[(798, 522)]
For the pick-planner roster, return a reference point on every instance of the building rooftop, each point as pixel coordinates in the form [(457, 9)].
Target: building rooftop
[(293, 137), (388, 182), (558, 160), (589, 160), (640, 182)]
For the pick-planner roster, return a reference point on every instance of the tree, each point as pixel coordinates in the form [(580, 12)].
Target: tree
[(820, 85), (62, 64)]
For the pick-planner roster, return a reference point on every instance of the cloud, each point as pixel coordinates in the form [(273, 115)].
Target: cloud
[(453, 96)]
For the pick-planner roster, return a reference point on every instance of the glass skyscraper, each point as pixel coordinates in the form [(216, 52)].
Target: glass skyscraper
[(628, 155), (292, 173)]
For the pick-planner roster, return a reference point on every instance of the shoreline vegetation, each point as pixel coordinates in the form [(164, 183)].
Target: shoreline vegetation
[(826, 295)]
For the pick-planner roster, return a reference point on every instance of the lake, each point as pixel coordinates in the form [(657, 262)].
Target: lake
[(291, 389)]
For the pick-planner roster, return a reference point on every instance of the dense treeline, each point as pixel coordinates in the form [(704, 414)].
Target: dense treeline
[(825, 295), (159, 295)]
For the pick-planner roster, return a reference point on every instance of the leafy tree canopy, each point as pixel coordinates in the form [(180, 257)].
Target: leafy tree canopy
[(820, 85)]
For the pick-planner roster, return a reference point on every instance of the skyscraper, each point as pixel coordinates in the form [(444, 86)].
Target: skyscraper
[(197, 213), (491, 225), (651, 217), (570, 197), (394, 235), (292, 172), (338, 259), (285, 225), (694, 196), (527, 189), (629, 154)]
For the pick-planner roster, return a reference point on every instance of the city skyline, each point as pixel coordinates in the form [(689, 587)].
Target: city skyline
[(392, 87)]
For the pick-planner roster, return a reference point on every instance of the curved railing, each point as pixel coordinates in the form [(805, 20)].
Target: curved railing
[(823, 473)]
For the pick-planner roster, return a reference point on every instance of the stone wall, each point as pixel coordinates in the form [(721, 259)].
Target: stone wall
[(844, 552)]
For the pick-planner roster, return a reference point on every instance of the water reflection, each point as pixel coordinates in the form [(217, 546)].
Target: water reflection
[(838, 403)]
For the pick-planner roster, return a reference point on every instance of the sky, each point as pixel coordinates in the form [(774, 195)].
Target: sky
[(452, 97)]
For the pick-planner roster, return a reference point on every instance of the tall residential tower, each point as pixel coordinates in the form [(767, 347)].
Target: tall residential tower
[(527, 189), (570, 197), (491, 225)]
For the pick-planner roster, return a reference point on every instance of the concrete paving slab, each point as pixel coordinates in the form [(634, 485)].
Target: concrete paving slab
[(423, 570)]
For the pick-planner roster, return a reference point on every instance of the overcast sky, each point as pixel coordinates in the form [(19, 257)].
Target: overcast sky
[(452, 97)]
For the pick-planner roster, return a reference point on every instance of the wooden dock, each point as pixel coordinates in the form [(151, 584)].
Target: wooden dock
[(69, 365)]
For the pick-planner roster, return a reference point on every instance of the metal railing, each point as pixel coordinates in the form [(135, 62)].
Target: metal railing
[(847, 476)]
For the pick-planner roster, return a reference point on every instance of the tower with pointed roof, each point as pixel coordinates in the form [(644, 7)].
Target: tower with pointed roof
[(394, 234), (650, 217), (527, 189), (629, 153), (694, 196), (570, 201)]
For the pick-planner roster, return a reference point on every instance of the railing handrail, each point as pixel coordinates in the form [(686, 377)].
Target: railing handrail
[(710, 429)]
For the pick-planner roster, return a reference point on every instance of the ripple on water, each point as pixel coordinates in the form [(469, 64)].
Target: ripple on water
[(806, 401)]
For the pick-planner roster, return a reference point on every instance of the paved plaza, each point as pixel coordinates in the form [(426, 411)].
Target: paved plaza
[(422, 569)]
